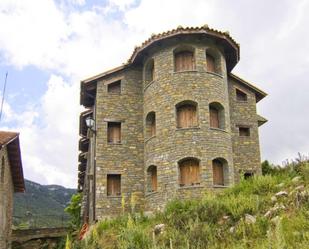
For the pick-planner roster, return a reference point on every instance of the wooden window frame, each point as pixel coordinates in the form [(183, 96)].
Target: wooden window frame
[(189, 172), (186, 118), (181, 61), (114, 85), (113, 185), (241, 96), (152, 174), (112, 137)]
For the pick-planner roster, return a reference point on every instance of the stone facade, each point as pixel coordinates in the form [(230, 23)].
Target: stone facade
[(11, 180), (6, 200), (160, 95)]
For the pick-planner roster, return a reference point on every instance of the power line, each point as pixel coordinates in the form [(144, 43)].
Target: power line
[(3, 94)]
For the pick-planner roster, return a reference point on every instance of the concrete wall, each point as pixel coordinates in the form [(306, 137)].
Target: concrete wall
[(6, 200)]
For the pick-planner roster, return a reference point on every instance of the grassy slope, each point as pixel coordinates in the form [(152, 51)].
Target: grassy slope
[(218, 221)]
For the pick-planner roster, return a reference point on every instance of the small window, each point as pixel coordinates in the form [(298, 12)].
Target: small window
[(210, 62), (189, 172), (114, 132), (216, 115), (240, 95), (184, 61), (113, 185), (248, 175), (244, 131), (186, 115), (114, 88), (149, 71), (2, 169), (218, 175), (152, 181), (151, 124)]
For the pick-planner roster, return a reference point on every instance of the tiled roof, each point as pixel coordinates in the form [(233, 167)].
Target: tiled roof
[(11, 140)]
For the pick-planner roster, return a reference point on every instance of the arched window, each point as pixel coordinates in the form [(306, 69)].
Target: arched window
[(186, 114), (2, 169), (210, 62), (189, 172), (184, 59), (213, 61), (149, 71), (216, 115), (151, 124), (220, 171), (152, 182)]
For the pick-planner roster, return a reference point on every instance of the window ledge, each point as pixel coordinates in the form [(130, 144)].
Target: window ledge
[(114, 196), (186, 71), (114, 143), (114, 94), (220, 186), (188, 128), (151, 193), (218, 129), (191, 186), (150, 138), (148, 85), (242, 101), (216, 74)]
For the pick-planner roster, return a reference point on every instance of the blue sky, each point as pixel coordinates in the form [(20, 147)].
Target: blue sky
[(48, 46)]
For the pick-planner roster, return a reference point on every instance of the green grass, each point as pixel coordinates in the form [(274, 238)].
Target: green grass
[(207, 223)]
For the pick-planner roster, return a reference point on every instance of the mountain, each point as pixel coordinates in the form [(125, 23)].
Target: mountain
[(41, 205)]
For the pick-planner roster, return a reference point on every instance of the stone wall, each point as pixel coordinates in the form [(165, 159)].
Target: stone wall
[(6, 200), (246, 150), (125, 158)]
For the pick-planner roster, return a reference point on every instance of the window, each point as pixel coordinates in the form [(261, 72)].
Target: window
[(114, 132), (248, 175), (151, 124), (241, 96), (113, 185), (149, 71), (184, 61), (152, 184), (114, 88), (218, 178), (244, 131), (216, 115), (2, 169), (186, 115), (210, 63), (189, 172)]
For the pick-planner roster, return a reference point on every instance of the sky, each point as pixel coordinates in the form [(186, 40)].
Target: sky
[(48, 46)]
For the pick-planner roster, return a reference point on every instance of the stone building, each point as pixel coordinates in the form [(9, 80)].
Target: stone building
[(11, 180), (172, 122)]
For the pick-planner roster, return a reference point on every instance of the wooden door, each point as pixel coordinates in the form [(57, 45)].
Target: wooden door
[(218, 177)]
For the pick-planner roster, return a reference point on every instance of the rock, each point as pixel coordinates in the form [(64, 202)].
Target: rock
[(148, 214), (300, 188), (275, 219), (280, 185), (232, 229), (273, 198), (249, 219), (278, 207), (159, 229), (296, 179), (281, 193), (268, 214)]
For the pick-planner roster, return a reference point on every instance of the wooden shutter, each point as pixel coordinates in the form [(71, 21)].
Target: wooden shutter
[(214, 117), (114, 88), (210, 61), (186, 116), (113, 185), (184, 61), (154, 183), (218, 178), (189, 172), (114, 132)]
